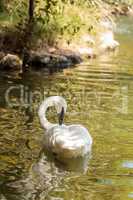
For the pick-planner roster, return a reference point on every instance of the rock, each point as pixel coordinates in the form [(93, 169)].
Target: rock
[(107, 41), (51, 49), (37, 60), (10, 62), (74, 58), (59, 61), (123, 9), (47, 60), (87, 51), (107, 25), (130, 12), (88, 39), (2, 54)]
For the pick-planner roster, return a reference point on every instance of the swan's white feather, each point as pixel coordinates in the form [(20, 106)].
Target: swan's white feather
[(68, 141), (65, 141)]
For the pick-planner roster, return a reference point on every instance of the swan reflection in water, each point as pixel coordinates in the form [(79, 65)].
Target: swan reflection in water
[(43, 176)]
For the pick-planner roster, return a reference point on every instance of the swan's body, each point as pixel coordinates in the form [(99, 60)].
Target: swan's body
[(65, 141)]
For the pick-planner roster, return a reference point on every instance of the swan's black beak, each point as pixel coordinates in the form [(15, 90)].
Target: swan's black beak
[(61, 116)]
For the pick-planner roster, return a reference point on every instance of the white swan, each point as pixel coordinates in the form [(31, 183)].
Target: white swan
[(65, 141)]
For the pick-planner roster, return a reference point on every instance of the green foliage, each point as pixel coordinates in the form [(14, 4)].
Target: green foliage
[(56, 19), (65, 18)]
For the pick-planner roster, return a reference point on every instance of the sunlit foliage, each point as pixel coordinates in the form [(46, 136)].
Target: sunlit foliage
[(56, 18)]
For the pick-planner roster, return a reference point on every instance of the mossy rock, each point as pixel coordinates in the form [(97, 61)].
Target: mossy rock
[(47, 60), (10, 62)]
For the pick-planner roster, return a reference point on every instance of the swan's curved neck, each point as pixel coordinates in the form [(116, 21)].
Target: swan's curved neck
[(42, 115), (56, 101)]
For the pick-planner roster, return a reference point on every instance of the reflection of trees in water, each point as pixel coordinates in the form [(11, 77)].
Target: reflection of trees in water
[(44, 175)]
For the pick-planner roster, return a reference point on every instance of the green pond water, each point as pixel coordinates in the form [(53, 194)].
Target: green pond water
[(100, 96)]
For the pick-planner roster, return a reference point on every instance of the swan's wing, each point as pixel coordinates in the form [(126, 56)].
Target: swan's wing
[(81, 134), (70, 141), (81, 131)]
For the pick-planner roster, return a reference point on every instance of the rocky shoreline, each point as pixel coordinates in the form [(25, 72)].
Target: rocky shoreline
[(123, 9), (66, 56), (39, 60)]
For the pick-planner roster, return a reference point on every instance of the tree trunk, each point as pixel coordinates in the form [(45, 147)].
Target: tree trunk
[(31, 10), (1, 5)]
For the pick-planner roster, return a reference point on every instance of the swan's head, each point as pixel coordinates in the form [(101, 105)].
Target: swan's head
[(59, 103), (61, 106)]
